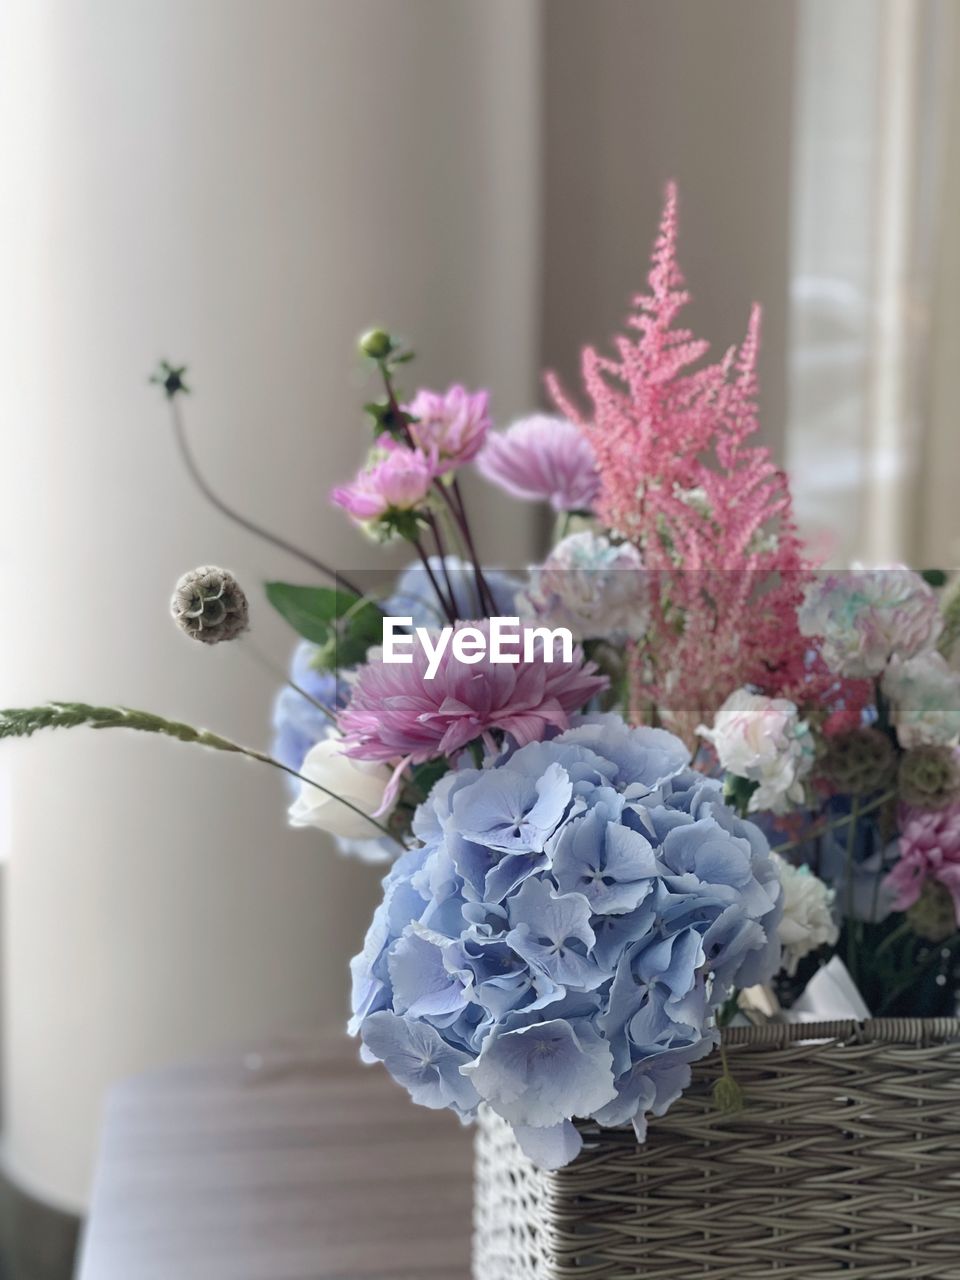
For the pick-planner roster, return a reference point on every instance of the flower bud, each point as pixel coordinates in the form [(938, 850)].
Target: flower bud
[(377, 344), (209, 605)]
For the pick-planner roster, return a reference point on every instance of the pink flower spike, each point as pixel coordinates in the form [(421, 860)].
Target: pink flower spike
[(451, 427), (395, 712), (929, 850), (543, 459), (398, 481)]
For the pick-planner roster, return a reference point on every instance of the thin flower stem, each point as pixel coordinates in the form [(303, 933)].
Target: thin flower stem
[(445, 604), (437, 532), (186, 453), (451, 496), (22, 722), (247, 646), (817, 831), (937, 954), (892, 938), (483, 588), (851, 847)]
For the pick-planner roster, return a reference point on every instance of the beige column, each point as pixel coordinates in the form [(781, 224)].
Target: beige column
[(242, 185)]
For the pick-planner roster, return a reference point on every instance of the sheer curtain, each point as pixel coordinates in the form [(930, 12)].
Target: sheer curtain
[(873, 330), (247, 184)]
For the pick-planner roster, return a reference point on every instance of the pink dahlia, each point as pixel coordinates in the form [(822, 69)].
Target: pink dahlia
[(543, 459), (450, 427), (397, 480), (396, 713), (929, 850)]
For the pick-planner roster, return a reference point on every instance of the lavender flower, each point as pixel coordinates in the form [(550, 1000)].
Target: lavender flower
[(559, 944), (396, 479), (543, 459), (394, 712), (449, 427)]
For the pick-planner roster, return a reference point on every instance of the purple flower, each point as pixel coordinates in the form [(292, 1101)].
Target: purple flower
[(929, 850), (396, 713), (397, 480), (450, 426), (543, 459)]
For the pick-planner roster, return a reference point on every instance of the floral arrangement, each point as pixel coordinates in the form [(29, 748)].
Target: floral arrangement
[(738, 766)]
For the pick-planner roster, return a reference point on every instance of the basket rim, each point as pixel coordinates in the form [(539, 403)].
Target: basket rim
[(880, 1030)]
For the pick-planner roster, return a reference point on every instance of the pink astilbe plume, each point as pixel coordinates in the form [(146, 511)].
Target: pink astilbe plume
[(681, 477)]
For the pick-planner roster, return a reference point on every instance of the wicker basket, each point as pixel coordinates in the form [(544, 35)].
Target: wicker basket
[(846, 1159)]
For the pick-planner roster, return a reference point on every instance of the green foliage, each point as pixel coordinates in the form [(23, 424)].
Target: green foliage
[(342, 625), (22, 722), (737, 792), (387, 418)]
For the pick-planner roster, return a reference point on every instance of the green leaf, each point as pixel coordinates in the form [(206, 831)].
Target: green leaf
[(343, 625), (934, 577)]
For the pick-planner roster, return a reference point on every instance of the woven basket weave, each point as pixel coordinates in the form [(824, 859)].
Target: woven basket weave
[(845, 1159)]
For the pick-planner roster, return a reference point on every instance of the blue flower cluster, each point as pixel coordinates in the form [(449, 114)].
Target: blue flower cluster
[(559, 944), (298, 724)]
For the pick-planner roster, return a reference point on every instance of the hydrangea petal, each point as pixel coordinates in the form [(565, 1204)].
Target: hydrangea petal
[(543, 1074)]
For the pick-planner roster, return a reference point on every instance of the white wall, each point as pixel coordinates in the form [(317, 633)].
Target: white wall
[(245, 186)]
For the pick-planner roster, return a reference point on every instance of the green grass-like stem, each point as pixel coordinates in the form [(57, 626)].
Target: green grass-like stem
[(23, 722)]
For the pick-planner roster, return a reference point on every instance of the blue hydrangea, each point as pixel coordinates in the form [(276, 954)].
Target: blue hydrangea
[(414, 597), (298, 725), (559, 944)]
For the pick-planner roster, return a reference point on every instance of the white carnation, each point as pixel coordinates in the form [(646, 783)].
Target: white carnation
[(808, 922), (765, 741)]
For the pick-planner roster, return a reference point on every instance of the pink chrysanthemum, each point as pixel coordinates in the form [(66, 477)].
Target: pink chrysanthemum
[(929, 850), (397, 480), (543, 459), (395, 713), (451, 427)]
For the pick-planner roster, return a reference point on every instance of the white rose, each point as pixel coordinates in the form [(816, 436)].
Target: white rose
[(807, 922), (765, 741), (360, 782)]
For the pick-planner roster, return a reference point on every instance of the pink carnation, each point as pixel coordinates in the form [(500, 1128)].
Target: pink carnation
[(396, 481), (395, 713), (543, 459), (929, 850), (451, 427)]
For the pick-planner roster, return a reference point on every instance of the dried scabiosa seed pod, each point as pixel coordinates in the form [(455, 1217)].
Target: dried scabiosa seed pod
[(209, 605), (929, 777), (858, 762)]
